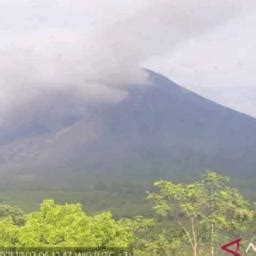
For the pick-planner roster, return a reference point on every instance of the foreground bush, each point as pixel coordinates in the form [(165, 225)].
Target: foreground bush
[(65, 225), (190, 219)]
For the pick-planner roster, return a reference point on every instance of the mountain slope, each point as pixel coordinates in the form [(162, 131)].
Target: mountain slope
[(159, 131)]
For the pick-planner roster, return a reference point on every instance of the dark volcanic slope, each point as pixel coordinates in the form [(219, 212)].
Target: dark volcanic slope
[(167, 128), (157, 131)]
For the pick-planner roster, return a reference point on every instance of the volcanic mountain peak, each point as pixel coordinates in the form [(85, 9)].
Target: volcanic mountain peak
[(157, 131)]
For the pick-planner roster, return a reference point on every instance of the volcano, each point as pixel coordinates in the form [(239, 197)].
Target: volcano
[(158, 131)]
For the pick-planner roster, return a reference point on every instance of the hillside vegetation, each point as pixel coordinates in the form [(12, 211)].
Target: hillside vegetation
[(187, 219)]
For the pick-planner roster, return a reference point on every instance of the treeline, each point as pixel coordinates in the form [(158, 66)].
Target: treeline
[(190, 219)]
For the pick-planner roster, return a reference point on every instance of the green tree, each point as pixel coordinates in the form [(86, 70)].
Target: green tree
[(141, 229), (183, 204), (16, 214), (69, 226), (202, 210), (9, 232), (227, 211)]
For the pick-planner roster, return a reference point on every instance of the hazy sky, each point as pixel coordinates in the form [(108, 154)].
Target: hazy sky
[(89, 50)]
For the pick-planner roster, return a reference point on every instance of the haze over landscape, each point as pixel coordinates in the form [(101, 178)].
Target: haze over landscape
[(158, 130), (127, 127), (82, 52), (127, 91)]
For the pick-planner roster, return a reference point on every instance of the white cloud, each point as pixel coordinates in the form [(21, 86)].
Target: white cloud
[(88, 50), (220, 64)]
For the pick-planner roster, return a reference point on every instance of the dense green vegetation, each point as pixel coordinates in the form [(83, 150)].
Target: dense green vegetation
[(186, 219)]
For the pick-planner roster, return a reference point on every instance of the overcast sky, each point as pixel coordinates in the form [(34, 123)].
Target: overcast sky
[(90, 49)]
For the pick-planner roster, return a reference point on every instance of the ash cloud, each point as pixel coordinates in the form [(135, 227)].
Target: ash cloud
[(56, 56)]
